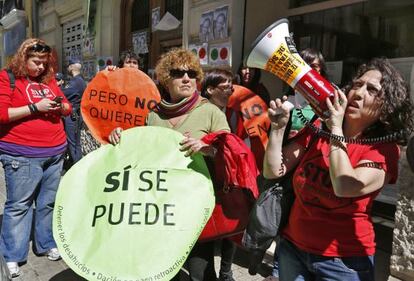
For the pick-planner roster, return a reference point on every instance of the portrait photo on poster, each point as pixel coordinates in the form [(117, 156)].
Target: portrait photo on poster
[(221, 22), (139, 42), (206, 26), (155, 17)]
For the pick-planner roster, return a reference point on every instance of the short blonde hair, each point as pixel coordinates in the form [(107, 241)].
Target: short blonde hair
[(177, 58)]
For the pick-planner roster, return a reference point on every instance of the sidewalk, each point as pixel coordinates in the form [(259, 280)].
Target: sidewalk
[(41, 269)]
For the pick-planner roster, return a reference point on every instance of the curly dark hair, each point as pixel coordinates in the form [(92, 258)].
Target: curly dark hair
[(128, 54), (18, 63), (396, 118)]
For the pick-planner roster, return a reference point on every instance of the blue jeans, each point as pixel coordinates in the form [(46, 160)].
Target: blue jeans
[(28, 180), (295, 265), (72, 128)]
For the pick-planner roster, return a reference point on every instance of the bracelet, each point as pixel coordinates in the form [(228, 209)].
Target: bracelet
[(33, 108)]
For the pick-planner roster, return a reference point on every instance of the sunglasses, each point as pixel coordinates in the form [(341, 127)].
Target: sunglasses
[(40, 48), (179, 73)]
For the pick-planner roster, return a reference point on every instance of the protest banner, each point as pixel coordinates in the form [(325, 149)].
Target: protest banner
[(133, 211), (118, 98)]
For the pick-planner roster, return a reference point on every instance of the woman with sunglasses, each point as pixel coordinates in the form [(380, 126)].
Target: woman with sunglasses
[(329, 235), (184, 110), (32, 144)]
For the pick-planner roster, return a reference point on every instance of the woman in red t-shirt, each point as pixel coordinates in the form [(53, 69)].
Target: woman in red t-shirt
[(32, 143), (330, 235)]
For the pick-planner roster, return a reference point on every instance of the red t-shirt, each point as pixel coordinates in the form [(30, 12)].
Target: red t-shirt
[(324, 224), (38, 130)]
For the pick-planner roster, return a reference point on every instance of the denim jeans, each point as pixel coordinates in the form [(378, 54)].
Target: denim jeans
[(28, 181), (295, 265), (72, 129)]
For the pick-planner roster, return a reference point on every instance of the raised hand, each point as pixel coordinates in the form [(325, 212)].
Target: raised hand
[(337, 110), (279, 113)]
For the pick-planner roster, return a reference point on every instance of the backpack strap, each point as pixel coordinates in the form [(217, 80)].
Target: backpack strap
[(11, 78)]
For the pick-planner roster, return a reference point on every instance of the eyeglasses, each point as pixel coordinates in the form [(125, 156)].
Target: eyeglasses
[(315, 65), (40, 48), (226, 88), (179, 73)]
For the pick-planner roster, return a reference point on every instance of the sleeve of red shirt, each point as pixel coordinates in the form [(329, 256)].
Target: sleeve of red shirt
[(387, 155), (5, 97)]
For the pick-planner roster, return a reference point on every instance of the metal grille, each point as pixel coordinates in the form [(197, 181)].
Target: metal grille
[(175, 7), (140, 18), (72, 33)]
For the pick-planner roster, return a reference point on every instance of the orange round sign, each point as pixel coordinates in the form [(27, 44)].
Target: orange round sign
[(119, 98), (252, 111)]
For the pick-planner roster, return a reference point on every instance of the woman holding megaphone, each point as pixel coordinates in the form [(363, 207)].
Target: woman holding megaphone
[(330, 234)]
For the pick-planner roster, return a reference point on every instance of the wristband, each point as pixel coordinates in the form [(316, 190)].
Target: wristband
[(33, 108)]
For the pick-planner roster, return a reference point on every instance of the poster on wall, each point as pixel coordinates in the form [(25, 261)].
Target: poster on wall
[(220, 54), (206, 26), (201, 51), (88, 48), (89, 69), (221, 22), (334, 68), (155, 17), (139, 42), (104, 61), (406, 67)]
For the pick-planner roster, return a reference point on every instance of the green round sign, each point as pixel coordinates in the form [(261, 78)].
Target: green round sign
[(214, 54), (133, 211)]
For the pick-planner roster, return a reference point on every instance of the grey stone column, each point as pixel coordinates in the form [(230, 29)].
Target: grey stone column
[(402, 259)]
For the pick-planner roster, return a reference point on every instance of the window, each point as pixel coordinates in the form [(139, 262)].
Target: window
[(140, 16), (356, 33), (175, 7), (299, 3)]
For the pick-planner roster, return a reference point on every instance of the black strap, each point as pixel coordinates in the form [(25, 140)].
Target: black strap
[(11, 78)]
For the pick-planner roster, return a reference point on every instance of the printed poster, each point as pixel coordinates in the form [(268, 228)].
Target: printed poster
[(221, 22), (206, 26)]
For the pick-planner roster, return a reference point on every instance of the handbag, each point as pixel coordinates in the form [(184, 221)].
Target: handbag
[(234, 173), (230, 215), (269, 215)]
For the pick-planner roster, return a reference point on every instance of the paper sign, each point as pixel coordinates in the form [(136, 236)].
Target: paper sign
[(119, 98), (133, 211)]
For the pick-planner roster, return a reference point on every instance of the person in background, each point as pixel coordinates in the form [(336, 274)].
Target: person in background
[(239, 117), (32, 145), (329, 235), (184, 110), (128, 59), (217, 86), (250, 78), (60, 79), (73, 91)]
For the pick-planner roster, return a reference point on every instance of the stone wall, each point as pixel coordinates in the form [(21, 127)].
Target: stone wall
[(402, 259)]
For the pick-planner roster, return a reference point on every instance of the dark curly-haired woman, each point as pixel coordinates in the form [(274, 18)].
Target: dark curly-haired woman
[(330, 235)]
